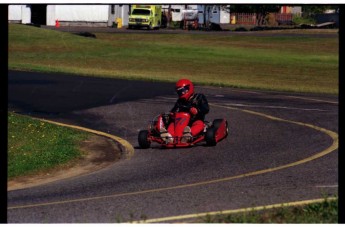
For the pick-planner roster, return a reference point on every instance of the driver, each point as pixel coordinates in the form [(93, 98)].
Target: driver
[(188, 101)]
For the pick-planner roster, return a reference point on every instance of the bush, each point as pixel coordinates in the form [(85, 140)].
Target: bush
[(303, 20), (271, 20)]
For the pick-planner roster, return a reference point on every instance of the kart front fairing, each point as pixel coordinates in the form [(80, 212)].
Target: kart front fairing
[(212, 133), (180, 120)]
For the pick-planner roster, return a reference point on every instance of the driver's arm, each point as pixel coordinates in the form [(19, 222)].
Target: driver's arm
[(202, 106), (175, 108)]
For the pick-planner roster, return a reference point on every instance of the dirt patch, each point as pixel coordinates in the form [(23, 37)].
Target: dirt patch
[(99, 152)]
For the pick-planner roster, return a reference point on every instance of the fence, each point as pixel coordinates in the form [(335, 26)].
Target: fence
[(243, 18), (283, 18), (251, 19)]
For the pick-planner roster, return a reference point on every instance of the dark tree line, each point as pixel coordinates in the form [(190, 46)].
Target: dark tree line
[(263, 10), (310, 10)]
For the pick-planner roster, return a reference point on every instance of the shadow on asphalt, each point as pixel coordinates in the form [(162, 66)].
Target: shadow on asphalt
[(53, 94)]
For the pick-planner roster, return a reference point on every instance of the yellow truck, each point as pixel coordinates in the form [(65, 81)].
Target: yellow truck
[(149, 16)]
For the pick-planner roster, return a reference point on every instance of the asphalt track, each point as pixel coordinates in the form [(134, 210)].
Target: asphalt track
[(282, 148)]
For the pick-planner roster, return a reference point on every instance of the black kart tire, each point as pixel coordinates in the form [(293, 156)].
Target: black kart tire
[(142, 139), (210, 137)]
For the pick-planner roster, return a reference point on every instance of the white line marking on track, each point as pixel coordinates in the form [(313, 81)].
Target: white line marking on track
[(326, 186), (225, 212), (232, 90), (274, 107), (315, 100)]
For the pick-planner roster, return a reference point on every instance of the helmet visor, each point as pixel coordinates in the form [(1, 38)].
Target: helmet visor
[(182, 90)]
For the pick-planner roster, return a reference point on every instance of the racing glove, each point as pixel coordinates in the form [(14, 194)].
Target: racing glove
[(193, 111), (171, 115)]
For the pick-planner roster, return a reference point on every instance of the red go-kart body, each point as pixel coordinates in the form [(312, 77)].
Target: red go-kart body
[(212, 133)]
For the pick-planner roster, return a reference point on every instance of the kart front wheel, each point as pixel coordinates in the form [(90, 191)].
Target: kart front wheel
[(216, 123), (210, 137), (143, 139)]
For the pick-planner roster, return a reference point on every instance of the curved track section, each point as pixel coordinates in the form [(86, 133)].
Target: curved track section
[(281, 149)]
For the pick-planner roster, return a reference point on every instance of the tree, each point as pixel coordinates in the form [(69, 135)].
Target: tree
[(310, 10)]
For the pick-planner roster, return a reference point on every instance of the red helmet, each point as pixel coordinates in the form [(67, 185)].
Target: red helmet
[(184, 89)]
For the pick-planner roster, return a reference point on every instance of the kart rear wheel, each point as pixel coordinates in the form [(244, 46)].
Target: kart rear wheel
[(143, 139), (210, 137)]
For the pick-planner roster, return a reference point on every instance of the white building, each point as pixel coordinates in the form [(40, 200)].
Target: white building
[(68, 15), (19, 14), (105, 15)]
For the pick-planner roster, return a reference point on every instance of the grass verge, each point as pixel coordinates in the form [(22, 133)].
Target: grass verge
[(321, 212), (35, 146), (283, 63)]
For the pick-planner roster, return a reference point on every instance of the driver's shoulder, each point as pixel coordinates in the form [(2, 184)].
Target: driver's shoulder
[(198, 96)]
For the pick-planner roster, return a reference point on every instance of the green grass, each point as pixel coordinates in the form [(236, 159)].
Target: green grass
[(35, 146), (322, 212), (298, 64)]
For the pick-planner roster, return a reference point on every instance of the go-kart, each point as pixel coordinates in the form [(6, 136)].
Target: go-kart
[(212, 133)]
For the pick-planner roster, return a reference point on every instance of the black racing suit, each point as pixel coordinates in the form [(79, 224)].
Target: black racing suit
[(198, 101)]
